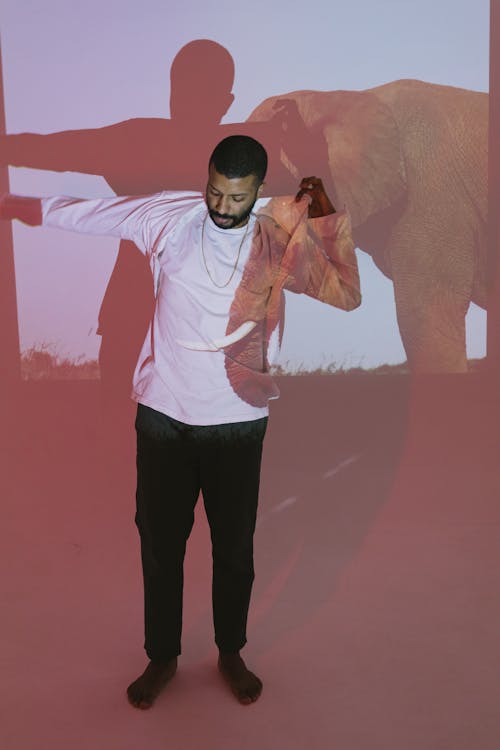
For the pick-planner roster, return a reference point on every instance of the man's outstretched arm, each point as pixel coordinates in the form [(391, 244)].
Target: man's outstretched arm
[(141, 219)]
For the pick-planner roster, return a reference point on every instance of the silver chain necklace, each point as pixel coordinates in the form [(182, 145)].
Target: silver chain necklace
[(221, 286)]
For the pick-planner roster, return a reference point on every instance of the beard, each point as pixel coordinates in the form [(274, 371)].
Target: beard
[(229, 221)]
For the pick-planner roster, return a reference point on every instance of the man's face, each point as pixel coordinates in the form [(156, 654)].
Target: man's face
[(230, 200)]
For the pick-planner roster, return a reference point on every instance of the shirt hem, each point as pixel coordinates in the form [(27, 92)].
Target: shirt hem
[(243, 417)]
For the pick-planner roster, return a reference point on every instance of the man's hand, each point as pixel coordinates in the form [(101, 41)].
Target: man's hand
[(320, 204), (28, 210)]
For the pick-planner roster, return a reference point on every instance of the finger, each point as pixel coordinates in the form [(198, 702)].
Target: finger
[(301, 194), (309, 191), (310, 181), (313, 185)]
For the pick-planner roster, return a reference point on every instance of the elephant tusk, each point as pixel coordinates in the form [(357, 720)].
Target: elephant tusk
[(216, 344)]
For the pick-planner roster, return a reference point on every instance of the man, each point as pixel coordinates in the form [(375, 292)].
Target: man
[(202, 381), (145, 155)]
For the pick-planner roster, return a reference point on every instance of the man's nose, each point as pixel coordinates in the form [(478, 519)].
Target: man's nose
[(222, 204)]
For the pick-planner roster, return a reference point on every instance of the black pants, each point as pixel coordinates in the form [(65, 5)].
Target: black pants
[(175, 461)]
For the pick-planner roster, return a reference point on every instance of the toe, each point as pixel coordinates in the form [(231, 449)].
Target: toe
[(245, 698)]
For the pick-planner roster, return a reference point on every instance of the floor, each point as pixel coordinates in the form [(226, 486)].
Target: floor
[(375, 616)]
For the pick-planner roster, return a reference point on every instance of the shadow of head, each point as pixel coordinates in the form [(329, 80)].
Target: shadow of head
[(201, 82)]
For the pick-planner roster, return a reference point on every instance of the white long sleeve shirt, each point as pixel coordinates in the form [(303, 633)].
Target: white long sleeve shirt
[(187, 367)]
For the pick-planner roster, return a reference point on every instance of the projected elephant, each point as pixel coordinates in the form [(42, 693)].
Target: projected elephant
[(409, 161)]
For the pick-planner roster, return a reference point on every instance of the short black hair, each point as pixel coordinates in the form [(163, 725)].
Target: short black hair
[(239, 156)]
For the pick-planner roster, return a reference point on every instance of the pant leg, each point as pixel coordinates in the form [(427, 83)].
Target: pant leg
[(230, 475), (168, 485)]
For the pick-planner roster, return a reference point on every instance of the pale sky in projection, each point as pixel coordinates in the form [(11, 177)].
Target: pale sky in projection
[(71, 65)]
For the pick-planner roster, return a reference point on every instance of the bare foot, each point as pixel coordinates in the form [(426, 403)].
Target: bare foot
[(143, 691), (245, 685)]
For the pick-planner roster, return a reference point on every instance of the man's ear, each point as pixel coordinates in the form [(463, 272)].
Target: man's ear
[(260, 188)]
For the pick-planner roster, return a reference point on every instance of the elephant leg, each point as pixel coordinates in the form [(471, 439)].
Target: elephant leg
[(432, 287)]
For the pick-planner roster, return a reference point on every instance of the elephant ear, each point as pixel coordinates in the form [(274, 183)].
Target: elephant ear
[(358, 134), (364, 150)]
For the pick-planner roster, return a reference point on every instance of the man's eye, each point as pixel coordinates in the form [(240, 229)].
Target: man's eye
[(237, 200)]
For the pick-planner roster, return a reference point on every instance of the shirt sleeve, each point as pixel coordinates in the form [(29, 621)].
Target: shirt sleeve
[(319, 259), (333, 275), (142, 219)]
